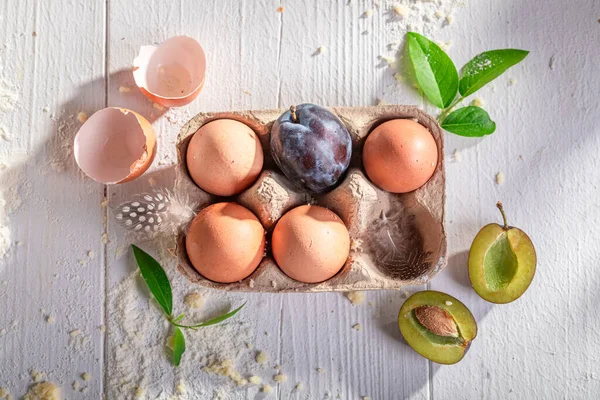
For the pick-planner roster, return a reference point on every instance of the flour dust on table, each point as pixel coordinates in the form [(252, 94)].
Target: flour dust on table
[(139, 342), (12, 182), (424, 16)]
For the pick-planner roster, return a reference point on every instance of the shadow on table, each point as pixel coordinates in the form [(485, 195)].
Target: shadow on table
[(121, 86), (392, 301), (52, 160)]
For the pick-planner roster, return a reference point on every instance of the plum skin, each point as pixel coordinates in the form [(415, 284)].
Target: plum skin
[(314, 151)]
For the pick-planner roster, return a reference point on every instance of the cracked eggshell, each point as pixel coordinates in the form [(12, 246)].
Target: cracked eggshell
[(171, 74), (115, 145)]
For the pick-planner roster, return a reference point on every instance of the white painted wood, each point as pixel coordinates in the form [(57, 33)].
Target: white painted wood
[(56, 75), (240, 40), (317, 329), (542, 346)]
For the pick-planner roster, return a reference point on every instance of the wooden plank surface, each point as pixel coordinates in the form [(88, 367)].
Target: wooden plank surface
[(546, 145), (317, 330), (542, 345), (241, 43), (55, 267)]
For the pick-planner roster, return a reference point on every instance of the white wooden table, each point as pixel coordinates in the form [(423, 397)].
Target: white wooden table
[(543, 346)]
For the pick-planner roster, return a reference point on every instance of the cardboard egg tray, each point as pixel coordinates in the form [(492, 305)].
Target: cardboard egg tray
[(396, 239)]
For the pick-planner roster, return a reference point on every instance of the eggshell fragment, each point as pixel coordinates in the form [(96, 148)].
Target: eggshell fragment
[(224, 157), (171, 74), (400, 155), (310, 244), (225, 242), (115, 145)]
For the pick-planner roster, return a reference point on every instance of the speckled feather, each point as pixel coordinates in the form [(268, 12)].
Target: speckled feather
[(159, 211)]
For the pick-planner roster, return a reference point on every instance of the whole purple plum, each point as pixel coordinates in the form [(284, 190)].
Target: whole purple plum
[(311, 146)]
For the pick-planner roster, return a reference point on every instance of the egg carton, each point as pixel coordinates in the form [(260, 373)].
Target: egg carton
[(396, 239)]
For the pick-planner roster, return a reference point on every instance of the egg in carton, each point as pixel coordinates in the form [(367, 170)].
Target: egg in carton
[(396, 239)]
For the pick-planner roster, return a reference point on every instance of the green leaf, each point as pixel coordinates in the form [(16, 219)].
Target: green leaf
[(156, 278), (212, 321), (469, 121), (434, 70), (178, 318), (486, 67), (178, 346)]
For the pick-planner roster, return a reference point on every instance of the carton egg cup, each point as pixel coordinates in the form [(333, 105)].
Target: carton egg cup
[(396, 239)]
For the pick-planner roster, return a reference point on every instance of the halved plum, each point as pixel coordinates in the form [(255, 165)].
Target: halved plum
[(502, 262), (437, 326)]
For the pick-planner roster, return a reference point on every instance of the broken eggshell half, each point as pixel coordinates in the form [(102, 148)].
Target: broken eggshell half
[(115, 145), (171, 74)]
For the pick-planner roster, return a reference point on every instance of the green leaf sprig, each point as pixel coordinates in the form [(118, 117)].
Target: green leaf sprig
[(438, 78), (159, 285)]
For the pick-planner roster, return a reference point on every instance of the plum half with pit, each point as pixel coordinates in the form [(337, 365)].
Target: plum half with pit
[(437, 326), (311, 146)]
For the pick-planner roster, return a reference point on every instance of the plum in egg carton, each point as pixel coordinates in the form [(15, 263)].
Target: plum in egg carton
[(392, 239)]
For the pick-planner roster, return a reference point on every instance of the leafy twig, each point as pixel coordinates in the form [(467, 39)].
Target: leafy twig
[(212, 321), (438, 78), (159, 285)]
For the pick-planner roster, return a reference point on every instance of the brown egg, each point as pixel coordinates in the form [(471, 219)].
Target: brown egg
[(310, 244), (225, 242), (400, 155), (224, 157)]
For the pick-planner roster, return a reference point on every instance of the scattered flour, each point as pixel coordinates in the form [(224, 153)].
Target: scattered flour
[(261, 357), (11, 184), (43, 391), (402, 11), (356, 298), (500, 178), (142, 361), (267, 389), (225, 368), (4, 136), (37, 376), (4, 240), (425, 17), (194, 300), (456, 157), (477, 102), (137, 364), (180, 388), (82, 117), (9, 95)]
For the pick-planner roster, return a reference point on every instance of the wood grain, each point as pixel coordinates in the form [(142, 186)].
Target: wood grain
[(59, 72), (542, 346)]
